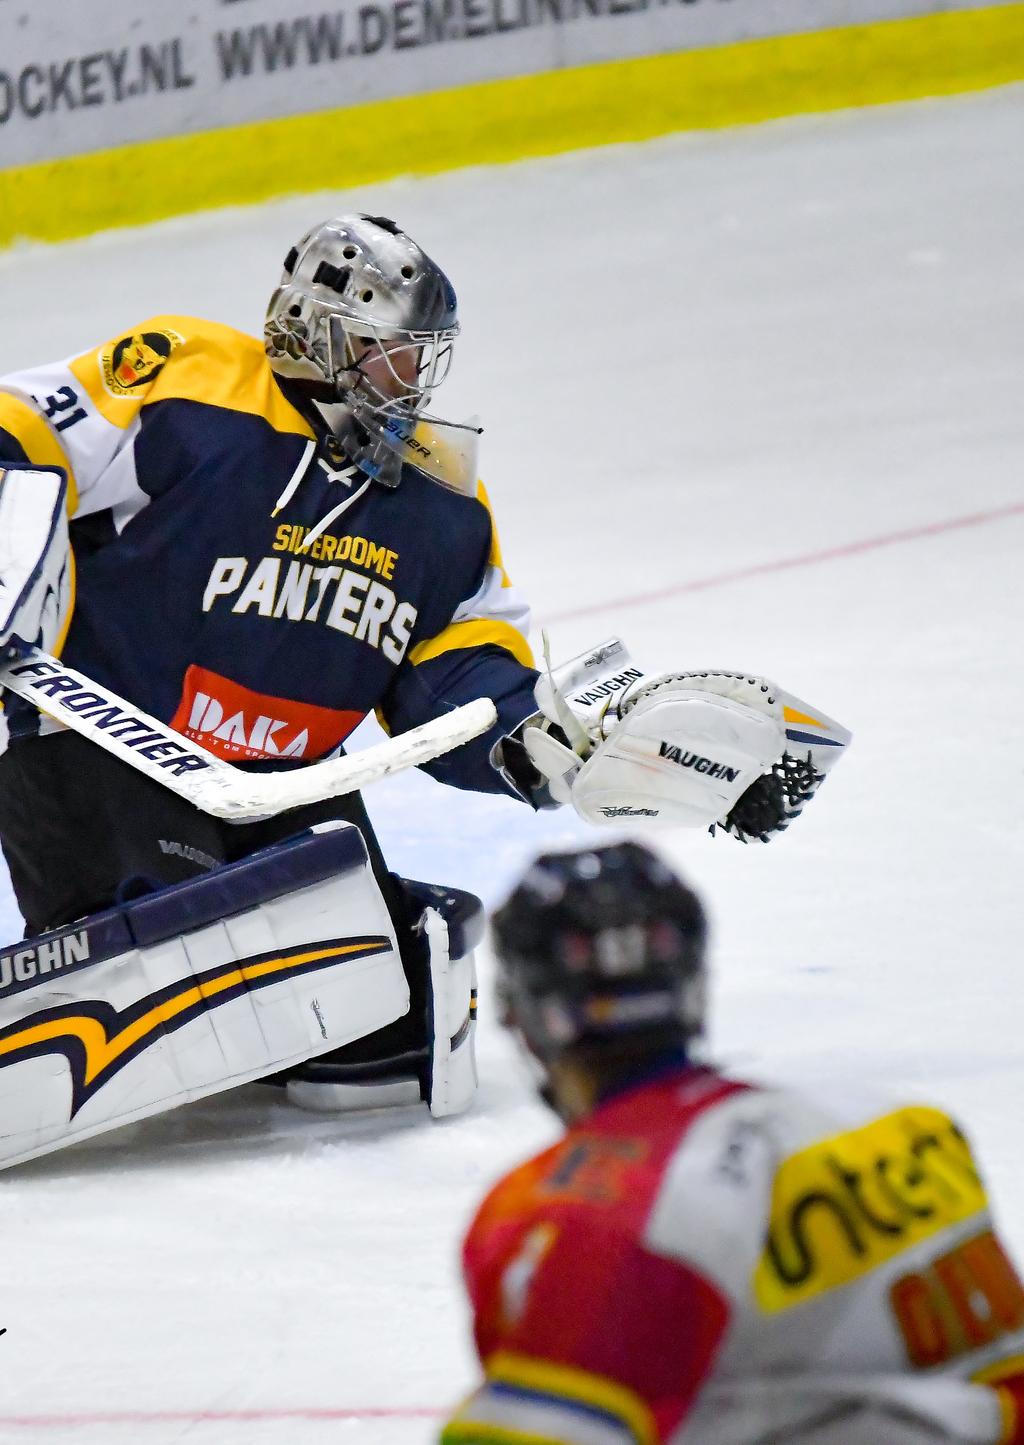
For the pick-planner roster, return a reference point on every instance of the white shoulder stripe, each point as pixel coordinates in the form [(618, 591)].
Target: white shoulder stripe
[(89, 440), (494, 600), (721, 1173)]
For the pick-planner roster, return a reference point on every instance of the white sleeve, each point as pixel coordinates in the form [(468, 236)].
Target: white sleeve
[(99, 454), (83, 413)]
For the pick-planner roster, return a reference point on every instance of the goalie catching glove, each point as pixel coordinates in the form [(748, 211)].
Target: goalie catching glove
[(683, 749)]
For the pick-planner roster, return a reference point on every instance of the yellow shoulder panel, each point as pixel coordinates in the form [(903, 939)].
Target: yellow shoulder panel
[(848, 1204), (36, 440), (480, 632), (186, 358), (495, 554)]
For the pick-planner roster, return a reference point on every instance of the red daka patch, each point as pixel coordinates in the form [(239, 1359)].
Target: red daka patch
[(240, 725)]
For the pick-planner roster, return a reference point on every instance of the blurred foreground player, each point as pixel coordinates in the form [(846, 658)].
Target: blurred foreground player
[(701, 1260), (258, 543)]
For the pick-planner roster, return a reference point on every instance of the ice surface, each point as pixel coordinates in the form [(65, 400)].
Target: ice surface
[(698, 361)]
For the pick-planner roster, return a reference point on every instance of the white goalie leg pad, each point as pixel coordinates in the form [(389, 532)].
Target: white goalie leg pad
[(194, 989), (453, 1076), (451, 923)]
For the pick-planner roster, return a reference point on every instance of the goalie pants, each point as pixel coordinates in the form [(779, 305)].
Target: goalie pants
[(81, 831)]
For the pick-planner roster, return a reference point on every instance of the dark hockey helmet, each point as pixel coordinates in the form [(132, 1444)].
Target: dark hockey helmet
[(600, 945), (365, 314)]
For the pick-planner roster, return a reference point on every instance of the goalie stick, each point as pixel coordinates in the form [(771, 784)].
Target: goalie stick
[(211, 784)]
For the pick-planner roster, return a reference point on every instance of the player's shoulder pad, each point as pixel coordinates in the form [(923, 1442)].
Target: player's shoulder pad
[(798, 1192), (716, 1188), (187, 358)]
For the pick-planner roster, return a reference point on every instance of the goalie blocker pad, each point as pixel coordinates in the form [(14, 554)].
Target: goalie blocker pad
[(194, 989)]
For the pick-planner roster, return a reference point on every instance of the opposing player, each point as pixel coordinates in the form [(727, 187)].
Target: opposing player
[(259, 544), (702, 1260)]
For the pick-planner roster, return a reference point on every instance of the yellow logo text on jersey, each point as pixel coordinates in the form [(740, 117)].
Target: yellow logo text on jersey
[(848, 1204), (331, 548)]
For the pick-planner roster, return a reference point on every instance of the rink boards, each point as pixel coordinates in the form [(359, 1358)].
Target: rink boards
[(230, 103)]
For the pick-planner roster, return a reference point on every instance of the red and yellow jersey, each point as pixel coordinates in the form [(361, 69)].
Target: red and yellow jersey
[(193, 484), (706, 1263)]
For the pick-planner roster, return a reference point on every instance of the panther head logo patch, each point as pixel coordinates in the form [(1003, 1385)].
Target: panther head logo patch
[(135, 360)]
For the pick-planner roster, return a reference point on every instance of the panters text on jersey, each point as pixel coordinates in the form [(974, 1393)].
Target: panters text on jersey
[(335, 595)]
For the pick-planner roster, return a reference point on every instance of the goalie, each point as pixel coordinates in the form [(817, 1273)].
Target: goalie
[(259, 545)]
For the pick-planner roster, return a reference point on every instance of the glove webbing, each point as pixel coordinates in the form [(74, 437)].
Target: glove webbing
[(772, 800)]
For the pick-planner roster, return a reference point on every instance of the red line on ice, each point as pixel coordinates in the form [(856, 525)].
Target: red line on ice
[(201, 1417), (787, 564)]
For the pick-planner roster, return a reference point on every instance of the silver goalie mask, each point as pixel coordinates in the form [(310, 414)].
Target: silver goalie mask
[(365, 314)]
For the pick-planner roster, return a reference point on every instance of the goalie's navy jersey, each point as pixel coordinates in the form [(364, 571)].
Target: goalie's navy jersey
[(193, 484)]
